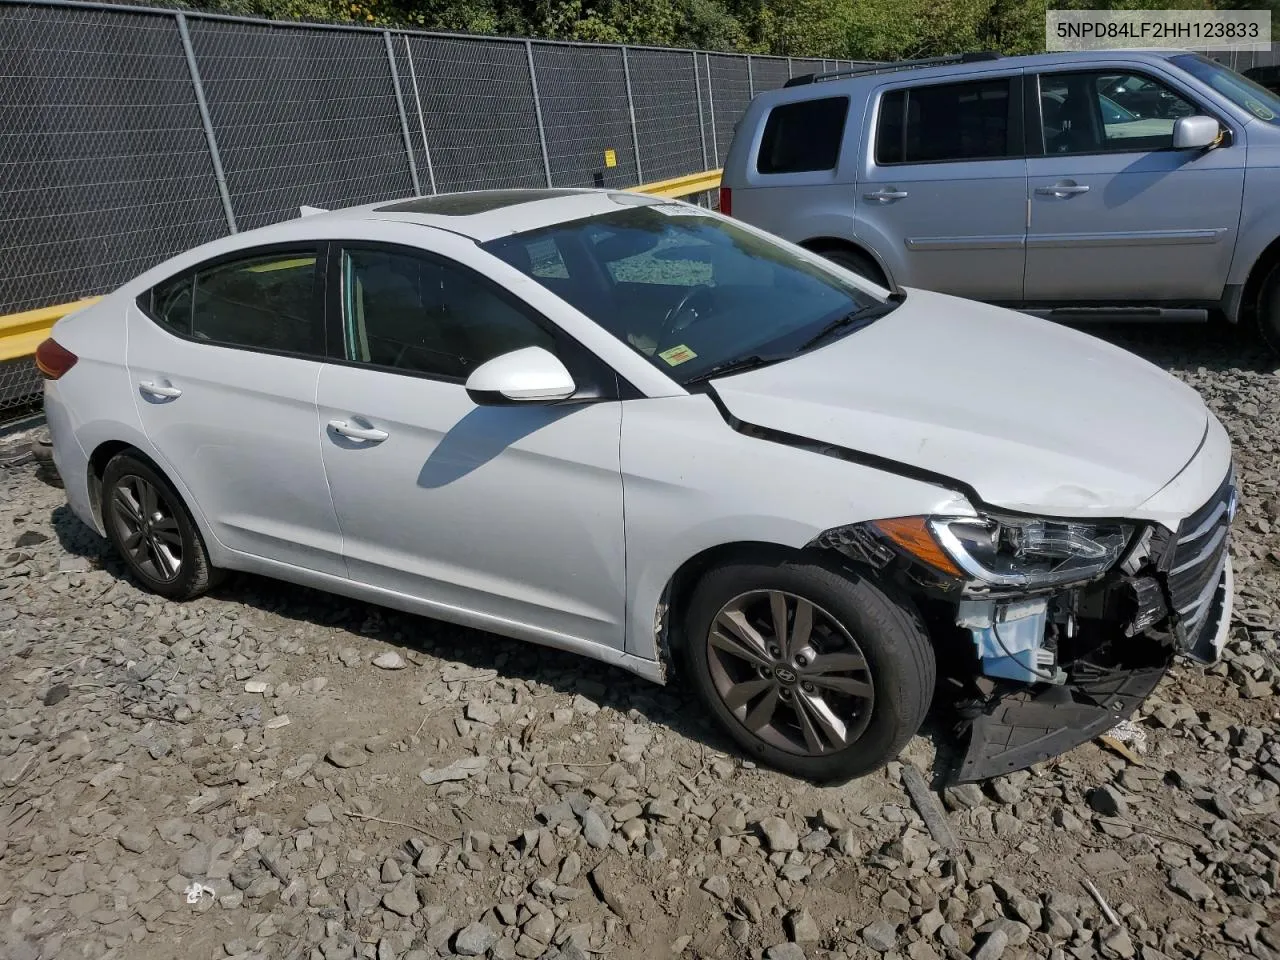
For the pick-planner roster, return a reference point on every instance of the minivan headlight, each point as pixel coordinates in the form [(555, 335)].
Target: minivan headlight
[(1012, 551)]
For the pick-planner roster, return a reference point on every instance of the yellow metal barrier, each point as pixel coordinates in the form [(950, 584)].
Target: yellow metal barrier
[(682, 186), (21, 333)]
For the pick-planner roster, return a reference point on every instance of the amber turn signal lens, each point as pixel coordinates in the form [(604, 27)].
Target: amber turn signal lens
[(913, 535)]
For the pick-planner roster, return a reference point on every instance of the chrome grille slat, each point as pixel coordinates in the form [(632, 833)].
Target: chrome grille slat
[(1199, 557)]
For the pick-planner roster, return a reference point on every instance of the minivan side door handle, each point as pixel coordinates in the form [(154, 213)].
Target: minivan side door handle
[(1064, 188), (885, 194)]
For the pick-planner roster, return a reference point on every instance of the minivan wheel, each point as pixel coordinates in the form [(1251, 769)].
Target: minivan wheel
[(1269, 310), (856, 262), (814, 672), (152, 530)]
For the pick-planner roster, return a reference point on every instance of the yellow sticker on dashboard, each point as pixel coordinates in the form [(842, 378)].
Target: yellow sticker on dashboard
[(677, 355)]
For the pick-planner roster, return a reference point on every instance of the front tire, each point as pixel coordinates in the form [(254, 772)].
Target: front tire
[(856, 262), (152, 530), (814, 672), (1269, 311)]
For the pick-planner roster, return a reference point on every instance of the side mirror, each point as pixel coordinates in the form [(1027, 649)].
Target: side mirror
[(529, 375), (1195, 133)]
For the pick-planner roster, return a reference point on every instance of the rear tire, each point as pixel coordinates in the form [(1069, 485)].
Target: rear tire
[(152, 530), (838, 696), (1269, 310), (856, 262)]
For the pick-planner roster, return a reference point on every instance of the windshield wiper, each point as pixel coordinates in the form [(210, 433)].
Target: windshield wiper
[(855, 318), (737, 365)]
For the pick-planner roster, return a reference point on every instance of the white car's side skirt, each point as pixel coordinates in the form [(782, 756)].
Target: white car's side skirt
[(649, 669)]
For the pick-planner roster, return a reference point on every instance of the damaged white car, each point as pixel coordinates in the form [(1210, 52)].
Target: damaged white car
[(638, 430)]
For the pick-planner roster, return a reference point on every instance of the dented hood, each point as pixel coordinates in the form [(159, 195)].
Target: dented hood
[(1034, 416)]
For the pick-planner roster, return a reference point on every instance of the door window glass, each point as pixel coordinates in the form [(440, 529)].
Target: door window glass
[(947, 122), (411, 312), (265, 302), (1107, 112), (803, 136)]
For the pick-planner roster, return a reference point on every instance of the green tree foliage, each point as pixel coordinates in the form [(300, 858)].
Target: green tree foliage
[(857, 29)]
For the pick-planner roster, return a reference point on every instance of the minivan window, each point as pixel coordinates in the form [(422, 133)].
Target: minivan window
[(1240, 90), (692, 292), (945, 122), (804, 136), (1107, 111)]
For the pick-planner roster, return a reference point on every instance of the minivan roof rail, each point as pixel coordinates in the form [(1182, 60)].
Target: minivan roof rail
[(873, 68)]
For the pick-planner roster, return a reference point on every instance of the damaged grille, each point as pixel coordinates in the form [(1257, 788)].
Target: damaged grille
[(1199, 555)]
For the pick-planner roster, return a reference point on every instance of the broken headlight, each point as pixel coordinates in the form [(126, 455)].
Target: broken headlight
[(1030, 552)]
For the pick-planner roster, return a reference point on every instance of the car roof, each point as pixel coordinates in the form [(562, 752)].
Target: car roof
[(480, 215)]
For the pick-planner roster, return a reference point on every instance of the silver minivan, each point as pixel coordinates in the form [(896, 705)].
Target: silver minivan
[(1114, 184)]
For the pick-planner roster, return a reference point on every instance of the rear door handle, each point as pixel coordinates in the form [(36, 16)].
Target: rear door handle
[(884, 196), (166, 392), (1067, 189), (372, 434)]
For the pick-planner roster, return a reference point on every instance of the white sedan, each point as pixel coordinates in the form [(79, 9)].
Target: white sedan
[(647, 433)]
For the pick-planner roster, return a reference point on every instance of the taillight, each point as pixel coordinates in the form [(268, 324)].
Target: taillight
[(726, 201), (53, 359)]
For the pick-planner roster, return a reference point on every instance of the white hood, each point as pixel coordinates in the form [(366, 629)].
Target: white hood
[(1034, 416)]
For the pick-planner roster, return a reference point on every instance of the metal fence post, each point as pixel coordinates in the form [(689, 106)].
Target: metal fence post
[(631, 109), (404, 119), (537, 110), (711, 102), (751, 80), (203, 107), (790, 74), (422, 122), (702, 127)]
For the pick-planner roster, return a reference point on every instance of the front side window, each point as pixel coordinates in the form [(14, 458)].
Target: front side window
[(1240, 90), (1107, 112), (946, 122), (265, 302), (691, 292), (802, 137), (410, 312)]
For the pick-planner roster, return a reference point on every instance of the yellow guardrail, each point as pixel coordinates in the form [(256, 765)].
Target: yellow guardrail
[(21, 333)]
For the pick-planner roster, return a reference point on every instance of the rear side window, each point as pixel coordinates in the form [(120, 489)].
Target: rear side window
[(266, 301), (948, 122), (804, 136)]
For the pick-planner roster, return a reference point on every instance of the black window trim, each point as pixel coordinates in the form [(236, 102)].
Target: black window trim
[(1018, 136), (1035, 111), (145, 300), (597, 380), (841, 140)]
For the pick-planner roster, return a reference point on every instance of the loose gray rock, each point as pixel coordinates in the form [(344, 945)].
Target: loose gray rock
[(881, 936), (801, 928), (389, 661), (474, 940), (778, 834), (402, 899)]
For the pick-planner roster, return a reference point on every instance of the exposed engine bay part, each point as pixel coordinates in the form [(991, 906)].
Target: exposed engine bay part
[(1026, 726), (1012, 639)]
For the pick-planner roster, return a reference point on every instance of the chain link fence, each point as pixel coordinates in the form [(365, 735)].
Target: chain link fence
[(128, 134)]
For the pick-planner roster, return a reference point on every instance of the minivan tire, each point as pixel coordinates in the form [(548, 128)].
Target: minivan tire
[(1269, 310), (855, 262), (886, 632), (149, 540)]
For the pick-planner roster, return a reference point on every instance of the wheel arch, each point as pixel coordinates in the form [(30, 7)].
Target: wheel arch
[(1267, 261), (823, 245)]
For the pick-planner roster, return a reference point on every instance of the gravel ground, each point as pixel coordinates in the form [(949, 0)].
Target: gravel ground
[(333, 780)]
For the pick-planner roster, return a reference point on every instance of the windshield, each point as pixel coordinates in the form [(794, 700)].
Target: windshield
[(688, 291), (1240, 90)]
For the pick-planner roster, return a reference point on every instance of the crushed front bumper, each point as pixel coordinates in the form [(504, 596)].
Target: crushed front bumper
[(1025, 726)]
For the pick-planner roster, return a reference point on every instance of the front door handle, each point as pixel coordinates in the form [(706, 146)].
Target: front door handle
[(162, 391), (885, 195), (372, 434), (1067, 188)]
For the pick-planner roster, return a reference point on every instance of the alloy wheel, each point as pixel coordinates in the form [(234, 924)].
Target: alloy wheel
[(148, 530), (790, 672)]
